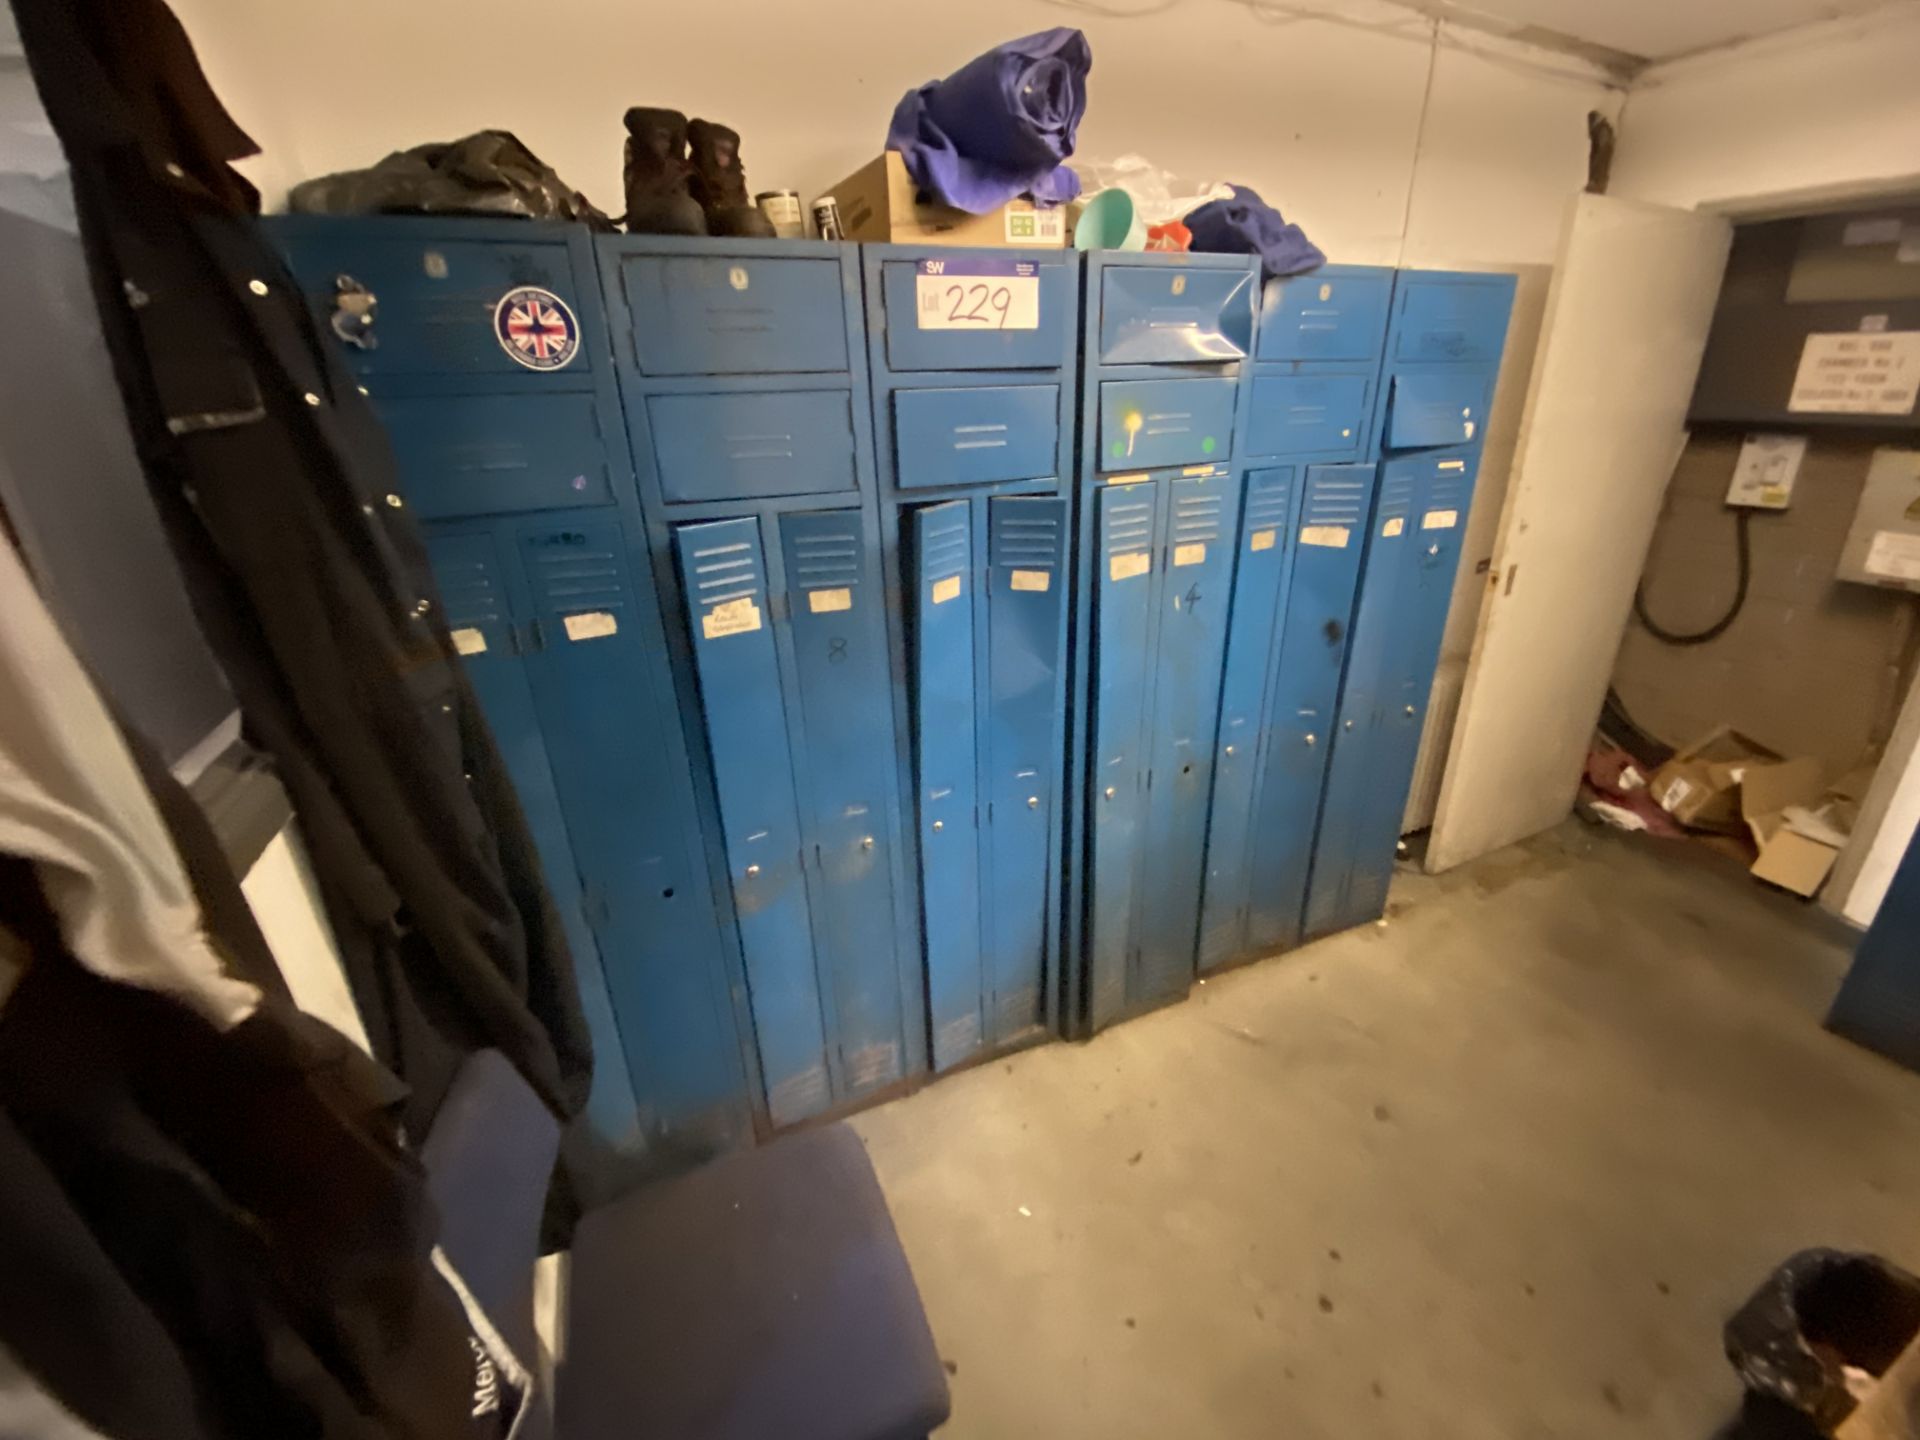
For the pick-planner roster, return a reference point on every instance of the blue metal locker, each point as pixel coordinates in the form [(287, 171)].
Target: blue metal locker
[(746, 403), (488, 356), (724, 576), (974, 418), (1259, 601)]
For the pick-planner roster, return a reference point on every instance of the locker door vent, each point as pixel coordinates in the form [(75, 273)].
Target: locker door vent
[(825, 557), (572, 572), (469, 589), (1336, 499), (1267, 505), (1450, 490), (1396, 496), (1196, 518), (1023, 541), (944, 548), (1127, 528), (728, 571)]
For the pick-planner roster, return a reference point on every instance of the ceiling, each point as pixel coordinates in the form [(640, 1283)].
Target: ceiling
[(1633, 33)]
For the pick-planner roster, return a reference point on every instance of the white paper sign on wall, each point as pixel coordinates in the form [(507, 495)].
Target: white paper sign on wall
[(1854, 374)]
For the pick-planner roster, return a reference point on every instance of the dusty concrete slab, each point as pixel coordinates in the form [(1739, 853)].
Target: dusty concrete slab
[(1498, 1168)]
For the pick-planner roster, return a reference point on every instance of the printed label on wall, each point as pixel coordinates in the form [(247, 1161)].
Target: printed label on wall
[(1195, 554), (593, 625), (469, 641), (1440, 520), (822, 602), (947, 589), (730, 617), (1261, 540), (1334, 537), (1393, 527), (1855, 374), (1032, 579), (1894, 555), (1125, 567), (966, 294)]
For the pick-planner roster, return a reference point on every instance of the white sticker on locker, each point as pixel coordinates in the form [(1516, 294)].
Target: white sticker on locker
[(1032, 579), (1334, 537), (469, 641), (1468, 428), (730, 617), (1195, 554), (594, 625), (820, 602), (1262, 540), (1128, 479), (964, 294), (1440, 520), (1125, 567), (947, 589), (1393, 527)]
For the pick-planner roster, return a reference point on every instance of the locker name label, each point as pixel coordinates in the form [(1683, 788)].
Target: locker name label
[(469, 641), (1036, 580), (1262, 540), (1190, 554), (1440, 520), (1854, 374), (1125, 567), (593, 625), (824, 602), (967, 294), (1128, 479), (730, 617), (1334, 537), (1397, 525), (947, 589)]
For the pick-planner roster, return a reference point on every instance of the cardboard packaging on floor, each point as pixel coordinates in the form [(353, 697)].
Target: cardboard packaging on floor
[(1700, 785), (1799, 821), (877, 202)]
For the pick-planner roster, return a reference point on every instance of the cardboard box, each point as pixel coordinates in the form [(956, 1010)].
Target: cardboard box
[(877, 202), (1800, 821), (1700, 786)]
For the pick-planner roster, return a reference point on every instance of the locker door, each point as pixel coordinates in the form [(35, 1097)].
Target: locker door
[(1025, 580), (838, 624), (1329, 541), (1259, 596), (1331, 904), (944, 774), (723, 574), (1128, 526), (599, 679), (1202, 520)]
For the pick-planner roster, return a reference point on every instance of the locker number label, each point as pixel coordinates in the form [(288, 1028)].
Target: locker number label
[(825, 602), (1125, 567), (594, 625), (1440, 520), (1261, 540), (947, 589), (1334, 537), (1396, 526), (469, 641), (1036, 580), (1195, 554), (964, 294), (730, 617)]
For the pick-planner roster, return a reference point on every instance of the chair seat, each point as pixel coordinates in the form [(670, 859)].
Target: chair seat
[(764, 1295)]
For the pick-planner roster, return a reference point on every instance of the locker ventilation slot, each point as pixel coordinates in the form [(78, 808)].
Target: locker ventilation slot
[(1449, 491), (726, 572), (1196, 518), (1025, 542), (825, 560), (1128, 529), (1396, 495), (1335, 501), (578, 577), (945, 551), (1267, 506), (468, 592)]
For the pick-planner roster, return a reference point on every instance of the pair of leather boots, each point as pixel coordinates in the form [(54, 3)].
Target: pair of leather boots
[(685, 178)]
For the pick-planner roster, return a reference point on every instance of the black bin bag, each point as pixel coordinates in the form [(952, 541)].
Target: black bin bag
[(488, 173)]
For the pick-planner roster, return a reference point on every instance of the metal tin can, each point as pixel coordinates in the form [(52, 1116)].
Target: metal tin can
[(826, 219), (783, 212)]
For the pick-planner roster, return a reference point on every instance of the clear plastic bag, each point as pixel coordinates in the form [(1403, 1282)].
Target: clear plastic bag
[(1158, 195)]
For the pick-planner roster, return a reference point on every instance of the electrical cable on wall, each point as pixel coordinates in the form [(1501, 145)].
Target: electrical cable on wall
[(1743, 547)]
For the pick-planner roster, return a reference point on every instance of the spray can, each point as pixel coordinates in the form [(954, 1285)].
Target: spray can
[(826, 219)]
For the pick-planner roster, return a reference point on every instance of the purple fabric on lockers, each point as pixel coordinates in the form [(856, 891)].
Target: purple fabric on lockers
[(1000, 125), (1247, 225)]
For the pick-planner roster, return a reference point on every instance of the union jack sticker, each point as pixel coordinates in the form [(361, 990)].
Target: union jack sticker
[(536, 328)]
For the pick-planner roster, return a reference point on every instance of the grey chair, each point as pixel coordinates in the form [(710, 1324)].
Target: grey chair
[(763, 1295)]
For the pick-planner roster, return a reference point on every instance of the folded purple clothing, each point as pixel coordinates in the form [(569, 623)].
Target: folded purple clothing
[(1247, 225)]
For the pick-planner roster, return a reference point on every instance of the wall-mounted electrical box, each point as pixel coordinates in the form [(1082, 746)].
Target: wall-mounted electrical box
[(1883, 547)]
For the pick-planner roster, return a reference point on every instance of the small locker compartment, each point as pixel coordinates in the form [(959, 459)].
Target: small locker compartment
[(497, 454), (1451, 319), (1259, 599), (1333, 313), (1441, 405), (1150, 423), (975, 434), (1175, 313), (1309, 413), (751, 444), (508, 301), (735, 314), (978, 310)]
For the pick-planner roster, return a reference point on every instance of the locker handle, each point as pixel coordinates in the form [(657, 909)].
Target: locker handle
[(1312, 739), (866, 842), (1409, 709), (752, 871), (1110, 792), (1033, 802), (939, 825)]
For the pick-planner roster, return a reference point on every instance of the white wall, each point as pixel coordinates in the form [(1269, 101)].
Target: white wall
[(1323, 118)]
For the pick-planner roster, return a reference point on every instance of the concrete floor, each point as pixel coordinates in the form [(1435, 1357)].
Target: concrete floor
[(1500, 1168)]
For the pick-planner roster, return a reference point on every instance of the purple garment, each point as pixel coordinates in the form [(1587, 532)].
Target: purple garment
[(1000, 125), (1247, 225)]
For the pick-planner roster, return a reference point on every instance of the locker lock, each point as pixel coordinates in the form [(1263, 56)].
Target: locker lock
[(1109, 792), (866, 842), (1312, 739), (1409, 710), (939, 825), (1349, 725), (752, 871), (1229, 749), (1033, 802)]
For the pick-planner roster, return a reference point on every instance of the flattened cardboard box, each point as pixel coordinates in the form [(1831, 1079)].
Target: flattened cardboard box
[(1700, 785)]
